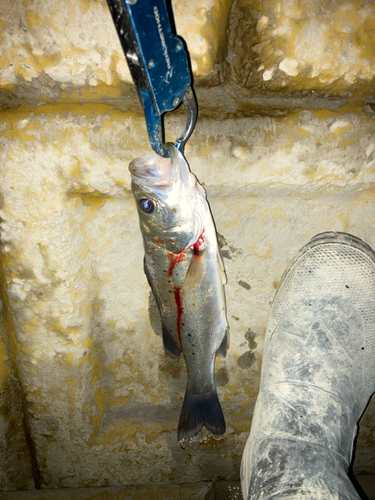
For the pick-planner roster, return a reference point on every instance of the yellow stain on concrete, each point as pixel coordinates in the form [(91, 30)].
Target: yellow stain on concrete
[(84, 6), (130, 428), (2, 27), (336, 132), (9, 267), (363, 38), (33, 19), (236, 414), (103, 401), (23, 125), (276, 284), (344, 143), (349, 107), (26, 68), (240, 426), (304, 133), (266, 254), (4, 370)]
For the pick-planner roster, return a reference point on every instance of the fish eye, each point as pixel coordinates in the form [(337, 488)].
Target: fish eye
[(146, 205)]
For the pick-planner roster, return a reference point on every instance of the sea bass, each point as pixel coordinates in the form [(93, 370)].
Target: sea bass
[(185, 271)]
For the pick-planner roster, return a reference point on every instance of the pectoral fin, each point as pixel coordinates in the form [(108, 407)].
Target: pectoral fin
[(194, 272), (170, 346)]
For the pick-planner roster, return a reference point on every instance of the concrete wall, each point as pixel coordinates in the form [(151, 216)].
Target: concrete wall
[(285, 147)]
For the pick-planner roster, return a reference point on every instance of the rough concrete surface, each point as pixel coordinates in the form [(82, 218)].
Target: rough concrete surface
[(88, 397), (314, 45), (201, 491), (220, 490)]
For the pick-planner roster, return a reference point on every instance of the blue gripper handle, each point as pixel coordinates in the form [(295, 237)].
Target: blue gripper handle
[(157, 60)]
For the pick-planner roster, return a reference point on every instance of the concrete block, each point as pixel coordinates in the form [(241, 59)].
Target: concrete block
[(57, 48), (311, 47)]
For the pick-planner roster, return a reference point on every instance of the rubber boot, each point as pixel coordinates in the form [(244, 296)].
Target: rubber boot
[(318, 374)]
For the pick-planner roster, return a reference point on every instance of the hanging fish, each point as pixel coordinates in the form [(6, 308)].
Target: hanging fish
[(186, 273)]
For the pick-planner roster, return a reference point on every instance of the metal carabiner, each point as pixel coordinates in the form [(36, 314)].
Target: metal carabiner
[(158, 63), (190, 101), (155, 123)]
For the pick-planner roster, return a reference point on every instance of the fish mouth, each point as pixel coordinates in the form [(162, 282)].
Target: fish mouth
[(153, 171)]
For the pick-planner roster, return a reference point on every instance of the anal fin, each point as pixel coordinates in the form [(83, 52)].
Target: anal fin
[(224, 346), (170, 346)]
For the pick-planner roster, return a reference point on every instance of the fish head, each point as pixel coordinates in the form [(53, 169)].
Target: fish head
[(170, 201)]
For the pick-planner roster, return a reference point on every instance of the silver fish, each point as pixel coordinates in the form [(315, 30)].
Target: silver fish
[(186, 273)]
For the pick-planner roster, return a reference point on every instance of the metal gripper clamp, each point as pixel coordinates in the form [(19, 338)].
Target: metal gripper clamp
[(158, 64)]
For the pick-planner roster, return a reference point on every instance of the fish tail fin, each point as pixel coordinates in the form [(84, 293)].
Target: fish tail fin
[(198, 411)]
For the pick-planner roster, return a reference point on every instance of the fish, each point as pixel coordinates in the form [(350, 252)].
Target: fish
[(185, 270)]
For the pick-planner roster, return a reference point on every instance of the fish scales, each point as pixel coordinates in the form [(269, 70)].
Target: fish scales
[(185, 270)]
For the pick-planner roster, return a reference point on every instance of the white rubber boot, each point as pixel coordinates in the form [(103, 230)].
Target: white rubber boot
[(318, 374)]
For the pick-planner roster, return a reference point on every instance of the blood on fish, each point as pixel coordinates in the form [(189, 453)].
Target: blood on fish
[(198, 244), (180, 310), (160, 241), (173, 260)]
